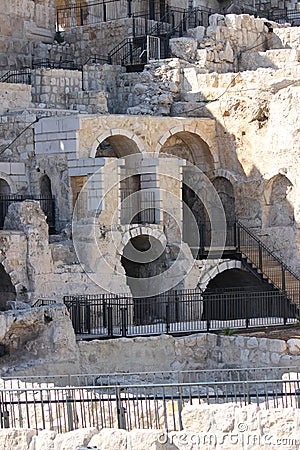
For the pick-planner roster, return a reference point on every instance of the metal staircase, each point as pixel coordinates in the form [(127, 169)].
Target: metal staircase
[(153, 42), (266, 266)]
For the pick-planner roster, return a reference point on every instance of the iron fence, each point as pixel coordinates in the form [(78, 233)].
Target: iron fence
[(150, 377), (155, 406), (174, 312), (47, 204)]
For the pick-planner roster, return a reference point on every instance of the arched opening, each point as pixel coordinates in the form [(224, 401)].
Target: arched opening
[(45, 187), (144, 257), (278, 196), (116, 146), (225, 191), (7, 289), (4, 187), (137, 201), (4, 200), (238, 294), (47, 201), (191, 148)]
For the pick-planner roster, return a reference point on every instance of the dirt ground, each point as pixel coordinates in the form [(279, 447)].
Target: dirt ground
[(289, 332)]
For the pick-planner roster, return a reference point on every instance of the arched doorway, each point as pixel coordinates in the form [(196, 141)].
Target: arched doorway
[(238, 294), (137, 201), (47, 201), (191, 148), (144, 257), (7, 289), (4, 187)]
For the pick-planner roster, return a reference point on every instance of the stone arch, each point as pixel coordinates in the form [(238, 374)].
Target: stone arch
[(224, 173), (122, 141), (139, 231), (8, 181), (45, 186), (10, 278), (144, 260), (216, 270), (192, 137), (278, 199)]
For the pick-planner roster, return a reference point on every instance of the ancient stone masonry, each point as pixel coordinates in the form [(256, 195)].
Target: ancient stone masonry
[(227, 89)]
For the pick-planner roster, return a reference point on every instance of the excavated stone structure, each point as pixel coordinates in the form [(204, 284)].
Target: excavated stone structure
[(224, 100)]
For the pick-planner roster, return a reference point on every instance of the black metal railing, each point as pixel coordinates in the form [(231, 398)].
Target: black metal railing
[(108, 315), (138, 207), (20, 76), (47, 204), (175, 22), (48, 63), (152, 406), (262, 261)]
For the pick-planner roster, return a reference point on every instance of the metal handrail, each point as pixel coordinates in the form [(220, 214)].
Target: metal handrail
[(267, 249), (133, 406)]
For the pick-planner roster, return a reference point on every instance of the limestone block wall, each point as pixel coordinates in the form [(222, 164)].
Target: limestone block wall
[(50, 87), (263, 428), (202, 351), (23, 23), (13, 96), (218, 47), (83, 43)]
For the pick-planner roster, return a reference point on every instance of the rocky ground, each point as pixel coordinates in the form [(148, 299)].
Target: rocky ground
[(286, 333)]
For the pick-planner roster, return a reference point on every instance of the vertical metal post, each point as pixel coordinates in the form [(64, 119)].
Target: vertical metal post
[(129, 9), (167, 317), (110, 330), (283, 278), (104, 312), (179, 405), (124, 321), (260, 260), (70, 413), (121, 411), (104, 12)]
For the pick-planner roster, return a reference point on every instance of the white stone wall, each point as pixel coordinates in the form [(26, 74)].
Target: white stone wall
[(270, 429), (196, 352)]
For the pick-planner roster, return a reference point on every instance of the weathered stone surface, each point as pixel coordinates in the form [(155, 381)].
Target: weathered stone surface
[(38, 340)]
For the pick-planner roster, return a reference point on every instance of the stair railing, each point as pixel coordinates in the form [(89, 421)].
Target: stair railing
[(263, 260)]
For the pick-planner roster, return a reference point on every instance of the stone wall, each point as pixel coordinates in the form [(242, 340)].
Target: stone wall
[(38, 338), (14, 96), (62, 89), (209, 427), (22, 24), (90, 41), (196, 352)]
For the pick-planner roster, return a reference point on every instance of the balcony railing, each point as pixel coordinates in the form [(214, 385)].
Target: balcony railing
[(138, 207)]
